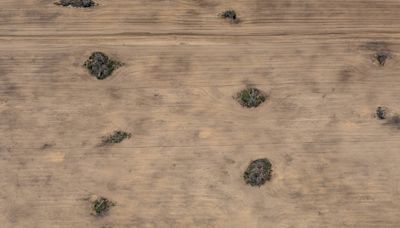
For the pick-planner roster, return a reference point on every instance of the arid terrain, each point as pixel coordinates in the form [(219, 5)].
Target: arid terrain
[(335, 164)]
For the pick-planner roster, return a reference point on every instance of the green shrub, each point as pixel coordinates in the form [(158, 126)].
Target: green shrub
[(251, 97), (258, 172)]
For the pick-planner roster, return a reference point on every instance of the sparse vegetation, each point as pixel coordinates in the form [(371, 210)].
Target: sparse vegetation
[(251, 97), (381, 113), (101, 206), (100, 65), (258, 172), (391, 119), (381, 58), (116, 137), (229, 14), (76, 3)]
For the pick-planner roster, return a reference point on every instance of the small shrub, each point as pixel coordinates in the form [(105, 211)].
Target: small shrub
[(100, 65), (258, 172), (229, 14), (381, 113), (381, 58), (101, 206), (76, 3), (251, 97), (116, 137)]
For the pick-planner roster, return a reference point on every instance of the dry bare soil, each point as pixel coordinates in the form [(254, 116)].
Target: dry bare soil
[(334, 164)]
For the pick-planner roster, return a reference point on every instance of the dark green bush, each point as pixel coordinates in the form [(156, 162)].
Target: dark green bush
[(100, 65), (258, 172), (76, 3), (101, 206), (251, 97), (381, 113), (229, 14), (116, 137)]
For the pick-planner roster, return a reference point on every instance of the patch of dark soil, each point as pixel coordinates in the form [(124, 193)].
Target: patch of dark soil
[(393, 121), (101, 206), (116, 137), (251, 97), (46, 146), (376, 46), (381, 58), (100, 65), (258, 172), (76, 3), (381, 113)]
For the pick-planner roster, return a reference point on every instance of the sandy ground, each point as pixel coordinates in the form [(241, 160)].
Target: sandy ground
[(334, 163)]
